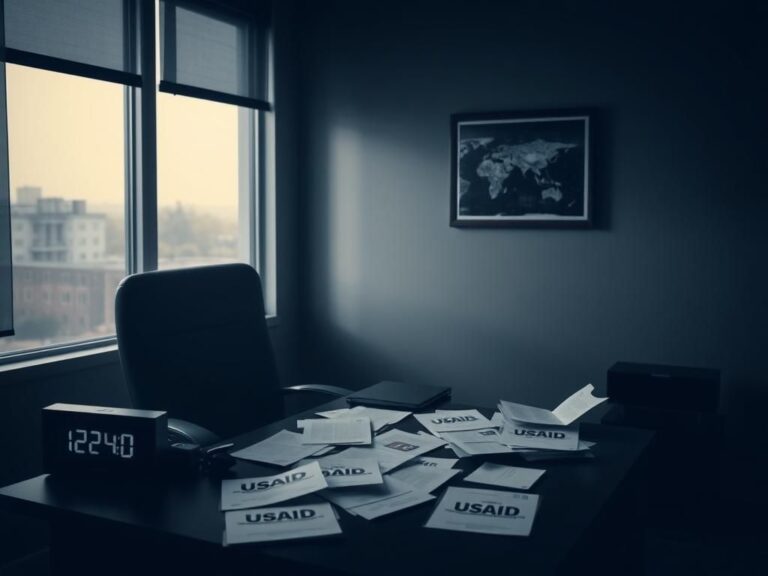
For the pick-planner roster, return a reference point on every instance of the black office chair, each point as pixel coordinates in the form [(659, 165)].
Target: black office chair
[(194, 342)]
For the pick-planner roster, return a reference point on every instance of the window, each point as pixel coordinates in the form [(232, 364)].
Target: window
[(88, 202)]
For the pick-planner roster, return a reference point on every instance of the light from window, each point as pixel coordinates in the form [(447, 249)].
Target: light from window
[(66, 156), (197, 172)]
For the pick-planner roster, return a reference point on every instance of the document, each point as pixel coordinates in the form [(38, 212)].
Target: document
[(280, 523), (536, 436), (423, 478), (380, 418), (566, 413), (282, 449), (497, 420), (264, 491), (583, 451), (352, 430), (433, 462), (453, 420), (342, 471), (476, 442), (506, 476), (395, 447), (374, 501), (485, 511)]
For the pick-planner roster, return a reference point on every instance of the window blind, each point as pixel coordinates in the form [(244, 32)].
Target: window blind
[(216, 50), (93, 38)]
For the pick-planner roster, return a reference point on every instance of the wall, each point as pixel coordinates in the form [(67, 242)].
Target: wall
[(98, 379), (673, 273)]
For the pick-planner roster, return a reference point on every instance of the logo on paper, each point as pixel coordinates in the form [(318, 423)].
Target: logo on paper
[(539, 434), (402, 446), (265, 484), (453, 419), (334, 472), (486, 509), (259, 517)]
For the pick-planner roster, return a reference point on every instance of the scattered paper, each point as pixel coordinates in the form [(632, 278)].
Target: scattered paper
[(546, 437), (506, 476), (374, 501), (423, 478), (583, 451), (433, 462), (485, 511), (395, 447), (453, 420), (497, 420), (282, 449), (380, 418), (280, 523), (354, 430), (255, 492), (342, 471), (566, 413), (476, 442)]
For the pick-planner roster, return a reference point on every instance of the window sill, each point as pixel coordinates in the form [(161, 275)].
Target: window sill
[(58, 363)]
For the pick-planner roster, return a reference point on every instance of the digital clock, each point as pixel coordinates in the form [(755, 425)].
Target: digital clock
[(77, 437)]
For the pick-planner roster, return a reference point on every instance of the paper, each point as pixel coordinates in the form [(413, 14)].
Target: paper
[(280, 523), (567, 412), (485, 511), (547, 437), (283, 449), (353, 430), (423, 478), (267, 490), (341, 471), (497, 420), (433, 462), (395, 448), (506, 476), (583, 451), (374, 501), (384, 507), (380, 418), (476, 442), (453, 420)]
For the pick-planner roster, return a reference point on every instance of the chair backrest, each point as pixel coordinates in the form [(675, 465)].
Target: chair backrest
[(194, 342)]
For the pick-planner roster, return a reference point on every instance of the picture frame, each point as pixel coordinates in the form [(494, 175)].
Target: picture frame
[(527, 169)]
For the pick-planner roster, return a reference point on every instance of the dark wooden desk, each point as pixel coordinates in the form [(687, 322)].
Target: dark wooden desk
[(587, 518)]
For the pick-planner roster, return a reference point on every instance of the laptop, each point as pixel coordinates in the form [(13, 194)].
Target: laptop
[(400, 396)]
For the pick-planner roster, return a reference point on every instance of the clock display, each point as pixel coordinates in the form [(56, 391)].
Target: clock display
[(78, 437), (99, 443)]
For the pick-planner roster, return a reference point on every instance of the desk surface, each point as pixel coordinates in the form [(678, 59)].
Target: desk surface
[(573, 495)]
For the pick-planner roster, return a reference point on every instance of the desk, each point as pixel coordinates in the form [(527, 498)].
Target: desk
[(588, 509)]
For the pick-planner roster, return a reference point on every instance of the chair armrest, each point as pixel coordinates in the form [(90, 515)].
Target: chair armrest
[(335, 391)]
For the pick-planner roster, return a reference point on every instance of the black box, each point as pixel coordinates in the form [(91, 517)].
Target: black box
[(665, 387)]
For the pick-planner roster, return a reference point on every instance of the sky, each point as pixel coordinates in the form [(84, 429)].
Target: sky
[(66, 134)]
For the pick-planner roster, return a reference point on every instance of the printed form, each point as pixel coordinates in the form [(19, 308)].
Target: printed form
[(506, 476), (254, 492), (336, 431), (485, 511), (280, 523)]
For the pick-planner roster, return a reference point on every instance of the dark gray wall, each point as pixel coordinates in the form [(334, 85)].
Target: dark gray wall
[(675, 271)]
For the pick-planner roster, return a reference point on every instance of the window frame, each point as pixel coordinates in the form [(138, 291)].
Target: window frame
[(256, 194)]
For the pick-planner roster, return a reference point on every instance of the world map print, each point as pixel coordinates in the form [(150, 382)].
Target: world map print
[(516, 174)]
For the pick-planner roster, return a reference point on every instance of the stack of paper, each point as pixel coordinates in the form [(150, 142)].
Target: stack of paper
[(423, 477), (338, 431), (536, 428), (486, 511), (476, 442), (281, 523), (282, 449), (374, 501), (380, 418)]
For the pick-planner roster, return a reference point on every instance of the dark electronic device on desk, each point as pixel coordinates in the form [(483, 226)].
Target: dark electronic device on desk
[(400, 396), (89, 438), (77, 437)]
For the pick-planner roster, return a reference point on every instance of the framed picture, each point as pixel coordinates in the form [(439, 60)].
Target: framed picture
[(521, 169)]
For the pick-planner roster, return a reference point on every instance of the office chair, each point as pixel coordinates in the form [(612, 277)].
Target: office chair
[(194, 342)]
